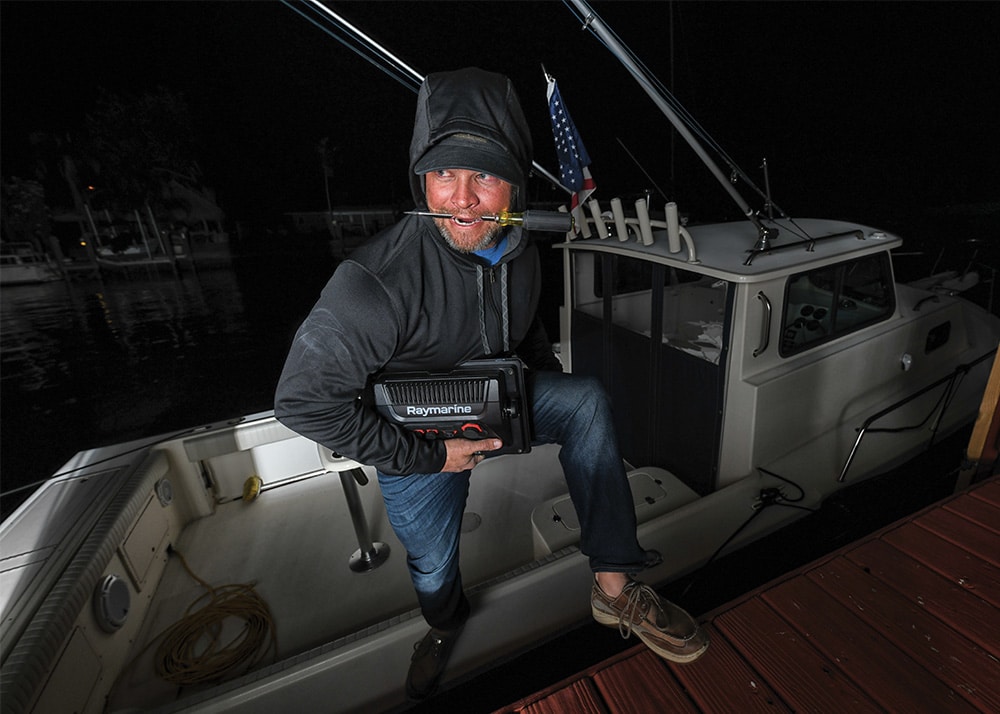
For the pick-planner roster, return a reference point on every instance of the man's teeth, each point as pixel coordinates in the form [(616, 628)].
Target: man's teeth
[(465, 221)]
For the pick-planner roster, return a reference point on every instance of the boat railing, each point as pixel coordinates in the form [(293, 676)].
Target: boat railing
[(810, 244), (940, 407)]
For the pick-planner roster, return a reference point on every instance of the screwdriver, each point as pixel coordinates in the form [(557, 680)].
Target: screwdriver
[(532, 220)]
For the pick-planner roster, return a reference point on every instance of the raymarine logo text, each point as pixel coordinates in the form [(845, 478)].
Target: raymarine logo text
[(438, 411)]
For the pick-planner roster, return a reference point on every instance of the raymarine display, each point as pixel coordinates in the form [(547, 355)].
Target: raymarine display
[(476, 400)]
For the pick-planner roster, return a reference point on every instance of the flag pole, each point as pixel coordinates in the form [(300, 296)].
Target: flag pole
[(574, 161), (552, 179)]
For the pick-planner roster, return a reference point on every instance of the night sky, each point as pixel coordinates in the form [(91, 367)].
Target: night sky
[(856, 106)]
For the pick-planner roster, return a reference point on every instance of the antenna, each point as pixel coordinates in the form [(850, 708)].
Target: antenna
[(599, 28), (643, 169), (768, 206)]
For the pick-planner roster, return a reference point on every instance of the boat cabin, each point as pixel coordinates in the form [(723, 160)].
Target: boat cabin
[(722, 357)]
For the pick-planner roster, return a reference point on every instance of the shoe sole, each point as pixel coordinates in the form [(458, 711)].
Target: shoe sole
[(607, 620)]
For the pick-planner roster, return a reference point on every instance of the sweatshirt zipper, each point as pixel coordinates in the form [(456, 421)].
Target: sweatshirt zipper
[(490, 278)]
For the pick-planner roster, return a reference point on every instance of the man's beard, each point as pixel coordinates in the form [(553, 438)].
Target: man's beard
[(491, 236)]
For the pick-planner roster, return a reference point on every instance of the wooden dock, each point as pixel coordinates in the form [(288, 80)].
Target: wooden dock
[(907, 619)]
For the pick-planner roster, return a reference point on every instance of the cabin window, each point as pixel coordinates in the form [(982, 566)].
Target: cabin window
[(693, 305), (835, 300), (937, 337)]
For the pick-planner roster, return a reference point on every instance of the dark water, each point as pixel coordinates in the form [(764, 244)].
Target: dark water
[(89, 363)]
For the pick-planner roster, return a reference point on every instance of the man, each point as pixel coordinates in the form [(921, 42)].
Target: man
[(432, 293)]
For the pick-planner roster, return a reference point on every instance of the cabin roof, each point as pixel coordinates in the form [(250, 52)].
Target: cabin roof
[(721, 249)]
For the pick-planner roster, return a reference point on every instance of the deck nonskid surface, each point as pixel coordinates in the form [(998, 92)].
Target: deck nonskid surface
[(294, 543)]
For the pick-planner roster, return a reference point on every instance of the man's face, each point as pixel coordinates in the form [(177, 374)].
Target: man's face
[(466, 195)]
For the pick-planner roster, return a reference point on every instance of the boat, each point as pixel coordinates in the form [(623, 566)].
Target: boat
[(756, 368), (21, 264)]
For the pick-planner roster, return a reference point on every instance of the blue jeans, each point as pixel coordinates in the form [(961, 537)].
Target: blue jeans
[(425, 510)]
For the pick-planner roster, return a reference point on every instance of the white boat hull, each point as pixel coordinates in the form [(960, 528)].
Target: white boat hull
[(338, 631)]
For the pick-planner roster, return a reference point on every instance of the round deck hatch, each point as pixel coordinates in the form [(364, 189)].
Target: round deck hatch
[(111, 602)]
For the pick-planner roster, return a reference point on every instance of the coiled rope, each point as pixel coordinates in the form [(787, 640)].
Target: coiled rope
[(192, 650)]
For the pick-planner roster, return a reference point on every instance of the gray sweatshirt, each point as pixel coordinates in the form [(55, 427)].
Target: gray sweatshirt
[(406, 301)]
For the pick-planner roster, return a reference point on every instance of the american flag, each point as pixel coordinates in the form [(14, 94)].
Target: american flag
[(574, 162)]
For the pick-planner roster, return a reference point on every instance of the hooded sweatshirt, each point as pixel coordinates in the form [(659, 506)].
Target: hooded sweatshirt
[(406, 301)]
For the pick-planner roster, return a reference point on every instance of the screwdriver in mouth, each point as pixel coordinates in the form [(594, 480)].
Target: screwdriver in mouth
[(556, 221)]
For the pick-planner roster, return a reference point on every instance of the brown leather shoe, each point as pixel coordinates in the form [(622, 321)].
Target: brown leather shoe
[(430, 656), (665, 628)]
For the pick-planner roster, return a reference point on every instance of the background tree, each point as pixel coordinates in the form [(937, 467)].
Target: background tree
[(25, 215), (137, 143)]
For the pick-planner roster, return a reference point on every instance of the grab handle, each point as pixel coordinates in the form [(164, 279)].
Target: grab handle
[(765, 333)]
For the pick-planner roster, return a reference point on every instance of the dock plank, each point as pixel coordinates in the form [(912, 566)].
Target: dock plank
[(962, 532), (879, 668), (806, 679), (958, 565), (959, 663), (980, 512), (579, 696), (723, 681), (963, 610), (641, 684), (989, 492)]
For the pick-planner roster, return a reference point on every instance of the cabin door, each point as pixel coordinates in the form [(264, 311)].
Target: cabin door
[(657, 338)]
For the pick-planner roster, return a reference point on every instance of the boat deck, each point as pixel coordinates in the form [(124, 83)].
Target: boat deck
[(907, 619)]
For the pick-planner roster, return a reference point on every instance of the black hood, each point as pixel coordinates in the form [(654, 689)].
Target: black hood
[(476, 103)]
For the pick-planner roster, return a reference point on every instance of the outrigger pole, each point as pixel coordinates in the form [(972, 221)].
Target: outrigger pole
[(594, 23), (407, 76)]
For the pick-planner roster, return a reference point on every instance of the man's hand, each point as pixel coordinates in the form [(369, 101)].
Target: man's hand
[(467, 453)]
